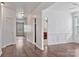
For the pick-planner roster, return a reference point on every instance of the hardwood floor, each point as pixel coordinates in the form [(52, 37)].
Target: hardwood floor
[(29, 50)]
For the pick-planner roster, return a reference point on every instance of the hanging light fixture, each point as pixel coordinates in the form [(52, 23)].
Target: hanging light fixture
[(20, 13), (2, 3)]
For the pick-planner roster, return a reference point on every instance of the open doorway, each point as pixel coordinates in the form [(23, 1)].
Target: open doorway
[(35, 30), (19, 28)]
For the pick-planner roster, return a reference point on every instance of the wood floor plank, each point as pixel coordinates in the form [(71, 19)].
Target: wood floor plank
[(30, 50)]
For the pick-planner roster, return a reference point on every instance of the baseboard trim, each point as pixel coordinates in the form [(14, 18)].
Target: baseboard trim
[(8, 45), (31, 42), (35, 44), (58, 43), (39, 47)]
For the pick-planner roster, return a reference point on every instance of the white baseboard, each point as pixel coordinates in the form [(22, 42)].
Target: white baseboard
[(31, 42), (8, 45), (58, 43), (39, 47), (35, 44), (4, 47)]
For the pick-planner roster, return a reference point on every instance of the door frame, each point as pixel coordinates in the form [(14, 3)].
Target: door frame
[(35, 30), (16, 28)]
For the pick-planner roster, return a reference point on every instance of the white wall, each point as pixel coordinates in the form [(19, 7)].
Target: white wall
[(29, 34), (0, 32), (8, 26), (59, 25), (37, 12), (39, 29)]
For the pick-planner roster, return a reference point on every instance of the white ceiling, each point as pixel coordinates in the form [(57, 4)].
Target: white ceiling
[(63, 6), (27, 7)]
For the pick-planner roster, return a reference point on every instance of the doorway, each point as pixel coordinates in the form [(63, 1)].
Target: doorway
[(35, 29), (19, 28)]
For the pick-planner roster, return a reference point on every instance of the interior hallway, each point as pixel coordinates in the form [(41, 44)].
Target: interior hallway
[(59, 21)]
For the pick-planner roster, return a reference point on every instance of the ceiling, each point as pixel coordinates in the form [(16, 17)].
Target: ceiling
[(27, 7), (64, 6), (23, 6)]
